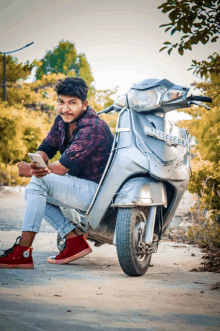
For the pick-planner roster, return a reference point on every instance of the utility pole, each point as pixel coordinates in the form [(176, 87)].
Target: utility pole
[(4, 74)]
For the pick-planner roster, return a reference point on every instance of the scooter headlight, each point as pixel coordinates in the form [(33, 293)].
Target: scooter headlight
[(145, 100)]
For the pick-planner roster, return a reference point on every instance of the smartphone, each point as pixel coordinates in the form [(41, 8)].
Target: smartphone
[(37, 158)]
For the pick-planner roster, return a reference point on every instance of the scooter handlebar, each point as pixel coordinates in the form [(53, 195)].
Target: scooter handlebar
[(199, 98), (106, 110)]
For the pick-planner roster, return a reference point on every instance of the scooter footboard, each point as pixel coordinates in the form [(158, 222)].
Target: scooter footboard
[(141, 191)]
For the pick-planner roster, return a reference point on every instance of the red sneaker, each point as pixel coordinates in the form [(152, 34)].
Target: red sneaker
[(75, 248), (17, 257)]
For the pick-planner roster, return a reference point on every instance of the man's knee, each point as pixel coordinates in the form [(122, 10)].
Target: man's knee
[(35, 185)]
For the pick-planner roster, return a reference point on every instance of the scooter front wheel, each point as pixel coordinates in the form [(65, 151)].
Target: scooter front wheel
[(131, 250)]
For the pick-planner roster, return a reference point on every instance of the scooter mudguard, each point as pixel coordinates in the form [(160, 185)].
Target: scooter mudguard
[(141, 191)]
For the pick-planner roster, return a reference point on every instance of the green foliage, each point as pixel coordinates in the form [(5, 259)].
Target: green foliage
[(85, 70), (206, 68), (198, 21), (64, 59)]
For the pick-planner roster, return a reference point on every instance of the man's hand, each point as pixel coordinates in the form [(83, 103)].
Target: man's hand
[(29, 169), (24, 169), (38, 172)]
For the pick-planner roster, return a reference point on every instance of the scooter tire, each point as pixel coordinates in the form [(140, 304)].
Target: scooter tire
[(128, 220)]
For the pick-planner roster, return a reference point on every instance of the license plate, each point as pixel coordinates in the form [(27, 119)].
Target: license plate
[(174, 140)]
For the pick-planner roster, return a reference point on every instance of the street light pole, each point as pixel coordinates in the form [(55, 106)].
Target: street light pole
[(4, 67), (4, 74)]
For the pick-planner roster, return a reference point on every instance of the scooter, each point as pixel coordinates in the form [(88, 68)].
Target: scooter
[(146, 175)]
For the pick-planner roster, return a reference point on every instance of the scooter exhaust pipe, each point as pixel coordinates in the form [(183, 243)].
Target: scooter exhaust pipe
[(149, 233)]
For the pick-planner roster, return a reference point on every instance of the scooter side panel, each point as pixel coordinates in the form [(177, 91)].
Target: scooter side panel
[(123, 167), (141, 191)]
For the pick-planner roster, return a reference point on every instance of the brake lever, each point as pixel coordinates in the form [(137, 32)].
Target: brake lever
[(192, 102)]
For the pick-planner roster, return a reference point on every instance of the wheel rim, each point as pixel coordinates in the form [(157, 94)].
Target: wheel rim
[(139, 234)]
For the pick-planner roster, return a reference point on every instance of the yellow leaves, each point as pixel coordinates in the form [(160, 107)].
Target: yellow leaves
[(100, 99), (198, 163), (14, 70), (37, 63), (18, 94), (205, 181), (111, 120), (71, 73), (9, 175), (20, 132), (47, 80), (205, 124)]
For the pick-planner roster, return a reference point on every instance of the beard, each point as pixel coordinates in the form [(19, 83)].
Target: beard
[(76, 119)]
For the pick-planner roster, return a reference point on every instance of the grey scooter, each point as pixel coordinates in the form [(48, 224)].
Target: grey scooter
[(146, 175)]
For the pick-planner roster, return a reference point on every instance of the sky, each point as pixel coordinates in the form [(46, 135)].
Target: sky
[(121, 39)]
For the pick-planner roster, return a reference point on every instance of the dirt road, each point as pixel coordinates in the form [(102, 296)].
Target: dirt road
[(94, 294)]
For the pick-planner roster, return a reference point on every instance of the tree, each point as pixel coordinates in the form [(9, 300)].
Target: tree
[(21, 132), (64, 59), (199, 21), (31, 107), (205, 178), (15, 71), (100, 99)]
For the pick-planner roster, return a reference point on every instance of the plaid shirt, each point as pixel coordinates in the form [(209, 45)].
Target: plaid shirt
[(87, 152)]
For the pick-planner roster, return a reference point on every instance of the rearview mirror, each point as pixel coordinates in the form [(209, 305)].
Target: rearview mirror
[(120, 102)]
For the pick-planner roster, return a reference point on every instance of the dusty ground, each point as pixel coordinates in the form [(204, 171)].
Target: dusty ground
[(94, 294)]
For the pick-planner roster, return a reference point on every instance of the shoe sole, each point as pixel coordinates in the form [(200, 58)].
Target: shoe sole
[(71, 258), (17, 266)]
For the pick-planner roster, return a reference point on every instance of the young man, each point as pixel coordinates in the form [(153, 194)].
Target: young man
[(84, 141)]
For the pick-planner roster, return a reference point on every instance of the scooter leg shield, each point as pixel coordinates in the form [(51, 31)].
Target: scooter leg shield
[(141, 191)]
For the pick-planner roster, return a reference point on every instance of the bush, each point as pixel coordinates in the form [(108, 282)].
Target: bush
[(205, 232), (9, 176)]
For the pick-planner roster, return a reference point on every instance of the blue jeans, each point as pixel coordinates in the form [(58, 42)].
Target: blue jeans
[(44, 197)]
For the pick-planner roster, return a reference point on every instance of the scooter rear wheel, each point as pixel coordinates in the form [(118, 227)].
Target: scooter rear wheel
[(61, 243), (130, 230)]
